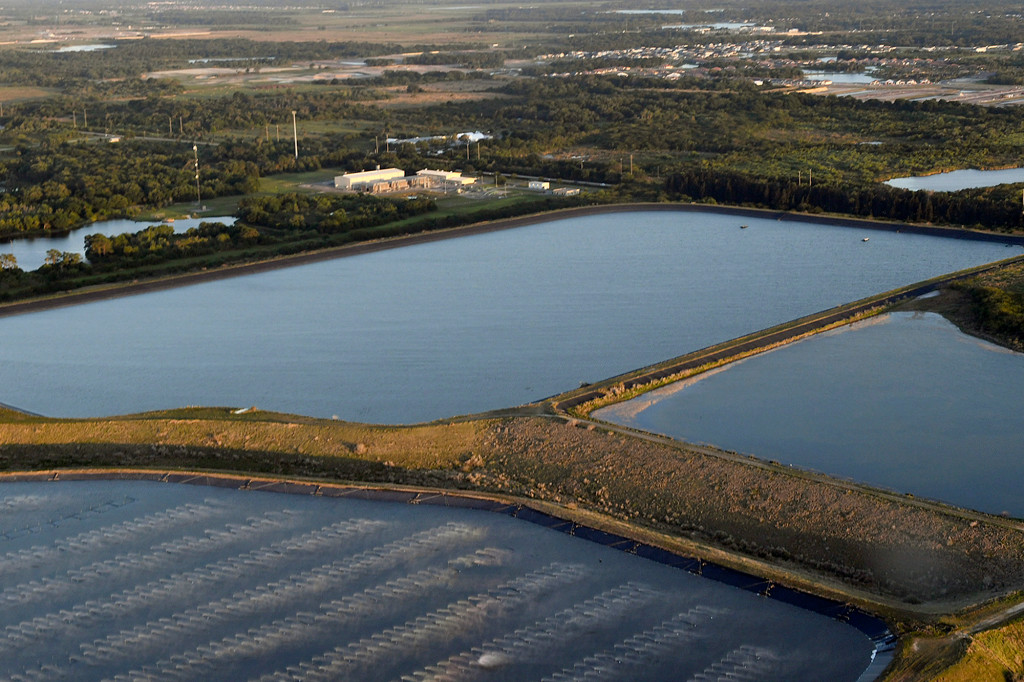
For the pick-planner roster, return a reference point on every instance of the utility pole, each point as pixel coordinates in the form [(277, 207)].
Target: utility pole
[(631, 164), (74, 116), (278, 125), (181, 126), (295, 133), (195, 151), (170, 127)]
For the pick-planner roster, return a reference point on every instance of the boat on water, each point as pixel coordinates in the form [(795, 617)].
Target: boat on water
[(743, 227), (865, 239)]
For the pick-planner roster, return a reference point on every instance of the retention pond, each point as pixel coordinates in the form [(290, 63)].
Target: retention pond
[(460, 325), (905, 401), (149, 580)]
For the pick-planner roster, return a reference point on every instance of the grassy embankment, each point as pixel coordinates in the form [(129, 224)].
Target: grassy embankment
[(880, 549)]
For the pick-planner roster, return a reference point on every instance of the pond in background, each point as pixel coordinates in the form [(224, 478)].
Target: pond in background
[(840, 77), (84, 48), (457, 326), (31, 251), (959, 179), (905, 401), (104, 579), (717, 26)]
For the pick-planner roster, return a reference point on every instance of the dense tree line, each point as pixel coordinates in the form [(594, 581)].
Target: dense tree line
[(644, 114), (56, 187), (159, 243), (998, 312), (328, 213), (971, 208)]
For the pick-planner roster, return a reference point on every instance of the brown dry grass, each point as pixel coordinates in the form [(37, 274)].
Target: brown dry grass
[(799, 528), (399, 98), (13, 93)]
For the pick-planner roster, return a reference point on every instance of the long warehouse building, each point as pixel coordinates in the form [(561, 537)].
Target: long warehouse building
[(367, 178)]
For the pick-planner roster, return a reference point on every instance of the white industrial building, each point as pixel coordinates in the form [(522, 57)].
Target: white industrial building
[(365, 179), (443, 176), (539, 185)]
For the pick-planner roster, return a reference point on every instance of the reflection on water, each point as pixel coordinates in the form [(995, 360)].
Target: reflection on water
[(907, 402), (464, 325), (144, 580)]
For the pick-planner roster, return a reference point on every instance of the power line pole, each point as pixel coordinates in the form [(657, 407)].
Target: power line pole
[(295, 133), (195, 151)]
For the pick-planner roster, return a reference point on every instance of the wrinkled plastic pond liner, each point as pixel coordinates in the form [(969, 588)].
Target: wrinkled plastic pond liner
[(874, 628)]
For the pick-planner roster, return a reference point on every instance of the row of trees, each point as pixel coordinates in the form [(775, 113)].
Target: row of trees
[(328, 213), (160, 243), (972, 208), (262, 221)]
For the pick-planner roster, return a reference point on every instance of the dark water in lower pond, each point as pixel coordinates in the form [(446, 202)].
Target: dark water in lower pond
[(145, 580)]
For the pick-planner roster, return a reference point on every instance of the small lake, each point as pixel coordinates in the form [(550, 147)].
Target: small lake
[(959, 179), (148, 580), (840, 77), (457, 326), (84, 48), (31, 251), (649, 11), (905, 401), (717, 26)]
